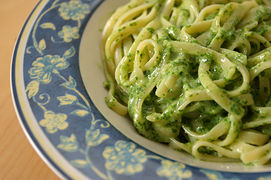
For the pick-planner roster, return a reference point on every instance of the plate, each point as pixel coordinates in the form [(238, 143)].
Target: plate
[(57, 79)]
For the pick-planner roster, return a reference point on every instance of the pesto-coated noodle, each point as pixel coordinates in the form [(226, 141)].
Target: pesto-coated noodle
[(195, 74)]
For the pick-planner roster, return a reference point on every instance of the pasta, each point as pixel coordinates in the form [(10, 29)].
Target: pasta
[(194, 74)]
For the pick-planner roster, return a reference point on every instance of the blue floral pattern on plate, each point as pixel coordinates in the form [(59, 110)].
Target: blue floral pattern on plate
[(124, 158), (69, 118)]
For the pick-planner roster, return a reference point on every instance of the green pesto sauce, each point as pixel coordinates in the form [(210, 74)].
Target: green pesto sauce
[(181, 66), (184, 67), (266, 130), (205, 117)]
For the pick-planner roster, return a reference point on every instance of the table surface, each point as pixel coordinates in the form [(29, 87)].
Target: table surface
[(18, 160)]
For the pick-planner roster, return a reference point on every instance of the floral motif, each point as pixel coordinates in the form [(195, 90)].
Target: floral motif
[(124, 158), (74, 10), (69, 144), (54, 122), (68, 33), (43, 67), (94, 137), (70, 84), (68, 99), (173, 170), (212, 175)]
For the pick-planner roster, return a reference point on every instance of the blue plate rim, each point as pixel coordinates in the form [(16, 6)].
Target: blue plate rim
[(16, 102)]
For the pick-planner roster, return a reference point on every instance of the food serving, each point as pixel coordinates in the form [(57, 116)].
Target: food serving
[(194, 74)]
